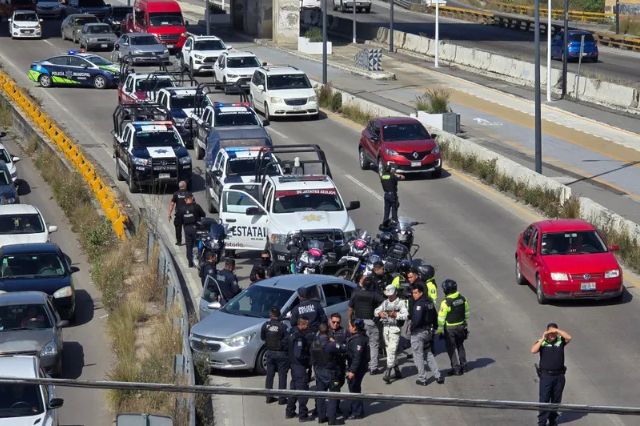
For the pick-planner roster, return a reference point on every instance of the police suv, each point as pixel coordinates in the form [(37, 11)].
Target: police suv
[(180, 103), (138, 88), (148, 152)]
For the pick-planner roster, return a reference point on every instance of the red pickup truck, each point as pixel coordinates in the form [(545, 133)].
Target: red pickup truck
[(160, 17)]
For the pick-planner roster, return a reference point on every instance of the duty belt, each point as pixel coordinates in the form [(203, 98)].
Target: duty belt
[(554, 372)]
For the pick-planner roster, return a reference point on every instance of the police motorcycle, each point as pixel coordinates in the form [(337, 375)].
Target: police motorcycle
[(353, 265), (305, 257), (400, 231), (210, 237)]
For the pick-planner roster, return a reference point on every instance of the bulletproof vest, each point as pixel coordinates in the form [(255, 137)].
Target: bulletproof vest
[(456, 314), (180, 196), (298, 342), (352, 352), (552, 355), (188, 216), (389, 183), (364, 304), (309, 310), (320, 357), (274, 335)]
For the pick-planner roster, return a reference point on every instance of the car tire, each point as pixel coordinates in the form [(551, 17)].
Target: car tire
[(57, 370), (267, 114), (75, 40), (595, 59), (380, 166), (436, 174), (261, 362), (198, 150), (368, 9), (362, 157), (542, 299), (192, 73), (119, 174), (224, 85), (134, 188), (345, 273), (44, 80), (519, 277), (99, 82)]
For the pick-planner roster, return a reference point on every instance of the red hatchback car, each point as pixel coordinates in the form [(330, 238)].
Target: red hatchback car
[(567, 259), (401, 141)]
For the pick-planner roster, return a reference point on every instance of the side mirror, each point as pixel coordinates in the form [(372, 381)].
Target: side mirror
[(55, 403), (14, 158), (375, 138), (255, 211), (614, 247), (265, 123), (186, 23), (62, 323), (52, 228), (260, 87), (74, 269), (353, 205), (116, 46), (434, 136), (229, 47), (214, 305), (529, 251), (264, 64)]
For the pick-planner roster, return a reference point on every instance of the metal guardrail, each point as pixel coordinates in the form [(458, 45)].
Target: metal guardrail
[(574, 15)]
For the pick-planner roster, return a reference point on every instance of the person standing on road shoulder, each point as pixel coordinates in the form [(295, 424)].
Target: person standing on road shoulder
[(357, 360), (452, 319), (189, 215), (389, 180), (551, 370), (424, 319), (274, 334), (176, 203)]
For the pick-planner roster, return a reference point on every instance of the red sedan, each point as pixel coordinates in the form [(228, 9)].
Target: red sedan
[(567, 259), (401, 141)]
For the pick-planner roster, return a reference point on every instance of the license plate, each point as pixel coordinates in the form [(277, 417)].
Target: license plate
[(104, 45), (416, 163), (297, 108), (164, 176), (169, 46), (587, 286)]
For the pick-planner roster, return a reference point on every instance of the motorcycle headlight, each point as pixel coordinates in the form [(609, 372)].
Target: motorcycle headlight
[(239, 341), (280, 239), (275, 100), (49, 349), (141, 161), (185, 160), (614, 273), (390, 152), (436, 150), (559, 276), (63, 292)]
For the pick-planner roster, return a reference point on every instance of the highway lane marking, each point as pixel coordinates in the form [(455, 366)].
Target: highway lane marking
[(484, 283), (279, 133), (373, 193), (50, 44)]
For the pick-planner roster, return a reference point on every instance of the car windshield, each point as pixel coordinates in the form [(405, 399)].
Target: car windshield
[(242, 166), (151, 84), (579, 242), (98, 60), (4, 156), (86, 20), (20, 317), (209, 45), (404, 132), (20, 400), (165, 19), (181, 102), (144, 40), (21, 224), (32, 266), (154, 139), (288, 81), (4, 178), (91, 3), (577, 37), (243, 62), (26, 17), (257, 300), (307, 200), (99, 29), (244, 118)]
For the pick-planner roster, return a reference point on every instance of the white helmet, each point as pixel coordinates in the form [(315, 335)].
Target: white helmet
[(390, 290)]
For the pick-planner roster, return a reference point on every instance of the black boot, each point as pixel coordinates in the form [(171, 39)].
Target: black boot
[(397, 372), (387, 376)]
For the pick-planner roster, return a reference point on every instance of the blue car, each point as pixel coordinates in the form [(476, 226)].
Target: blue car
[(589, 51), (8, 189), (75, 69), (39, 267)]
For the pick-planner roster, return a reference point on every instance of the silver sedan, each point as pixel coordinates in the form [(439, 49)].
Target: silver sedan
[(97, 36)]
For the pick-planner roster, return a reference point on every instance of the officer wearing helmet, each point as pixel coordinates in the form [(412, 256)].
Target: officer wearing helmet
[(392, 313), (389, 180), (425, 273), (452, 320)]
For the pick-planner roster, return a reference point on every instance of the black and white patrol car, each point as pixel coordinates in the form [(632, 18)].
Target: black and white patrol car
[(180, 103)]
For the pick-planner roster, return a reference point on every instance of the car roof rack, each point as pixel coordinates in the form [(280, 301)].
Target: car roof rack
[(129, 113), (310, 156)]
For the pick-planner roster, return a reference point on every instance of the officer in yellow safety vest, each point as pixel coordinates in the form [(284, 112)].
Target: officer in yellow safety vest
[(427, 273), (452, 320)]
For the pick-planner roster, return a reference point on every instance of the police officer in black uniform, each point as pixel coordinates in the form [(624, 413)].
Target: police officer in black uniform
[(265, 265), (339, 334), (357, 364), (325, 360), (189, 215), (309, 308), (551, 369), (389, 180), (228, 281), (177, 202), (299, 343), (364, 300), (210, 267), (379, 277), (274, 334)]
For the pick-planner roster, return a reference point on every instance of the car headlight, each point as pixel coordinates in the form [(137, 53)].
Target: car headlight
[(614, 273), (185, 160), (390, 152), (275, 100), (559, 276), (166, 51), (232, 76), (239, 341), (280, 239), (436, 150), (312, 99), (63, 292), (7, 200), (136, 52), (199, 57), (141, 161), (49, 349)]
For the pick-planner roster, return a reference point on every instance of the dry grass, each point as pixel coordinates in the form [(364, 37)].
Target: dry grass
[(6, 114), (332, 100), (628, 25), (434, 101)]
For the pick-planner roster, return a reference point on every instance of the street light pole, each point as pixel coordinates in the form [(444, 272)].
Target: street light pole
[(617, 16), (206, 16), (435, 63), (354, 21), (549, 31), (538, 111), (565, 48), (392, 2), (324, 41)]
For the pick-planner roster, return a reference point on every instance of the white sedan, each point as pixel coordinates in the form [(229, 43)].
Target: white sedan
[(23, 223), (11, 161)]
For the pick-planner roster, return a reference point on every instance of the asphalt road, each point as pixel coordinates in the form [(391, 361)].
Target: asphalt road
[(469, 235), (614, 64), (86, 352)]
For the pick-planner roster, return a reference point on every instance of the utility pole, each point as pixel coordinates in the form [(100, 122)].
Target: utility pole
[(435, 62), (391, 2), (538, 110), (354, 21), (617, 16), (324, 41), (565, 49), (549, 31), (206, 16)]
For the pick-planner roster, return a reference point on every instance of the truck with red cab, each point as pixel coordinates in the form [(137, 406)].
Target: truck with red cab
[(160, 17)]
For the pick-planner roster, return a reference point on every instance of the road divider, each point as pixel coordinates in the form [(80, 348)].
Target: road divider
[(104, 194)]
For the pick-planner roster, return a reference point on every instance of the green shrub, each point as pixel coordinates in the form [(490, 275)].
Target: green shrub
[(434, 101), (336, 102), (314, 34)]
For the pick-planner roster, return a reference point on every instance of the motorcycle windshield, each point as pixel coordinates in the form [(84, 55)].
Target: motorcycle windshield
[(405, 223)]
